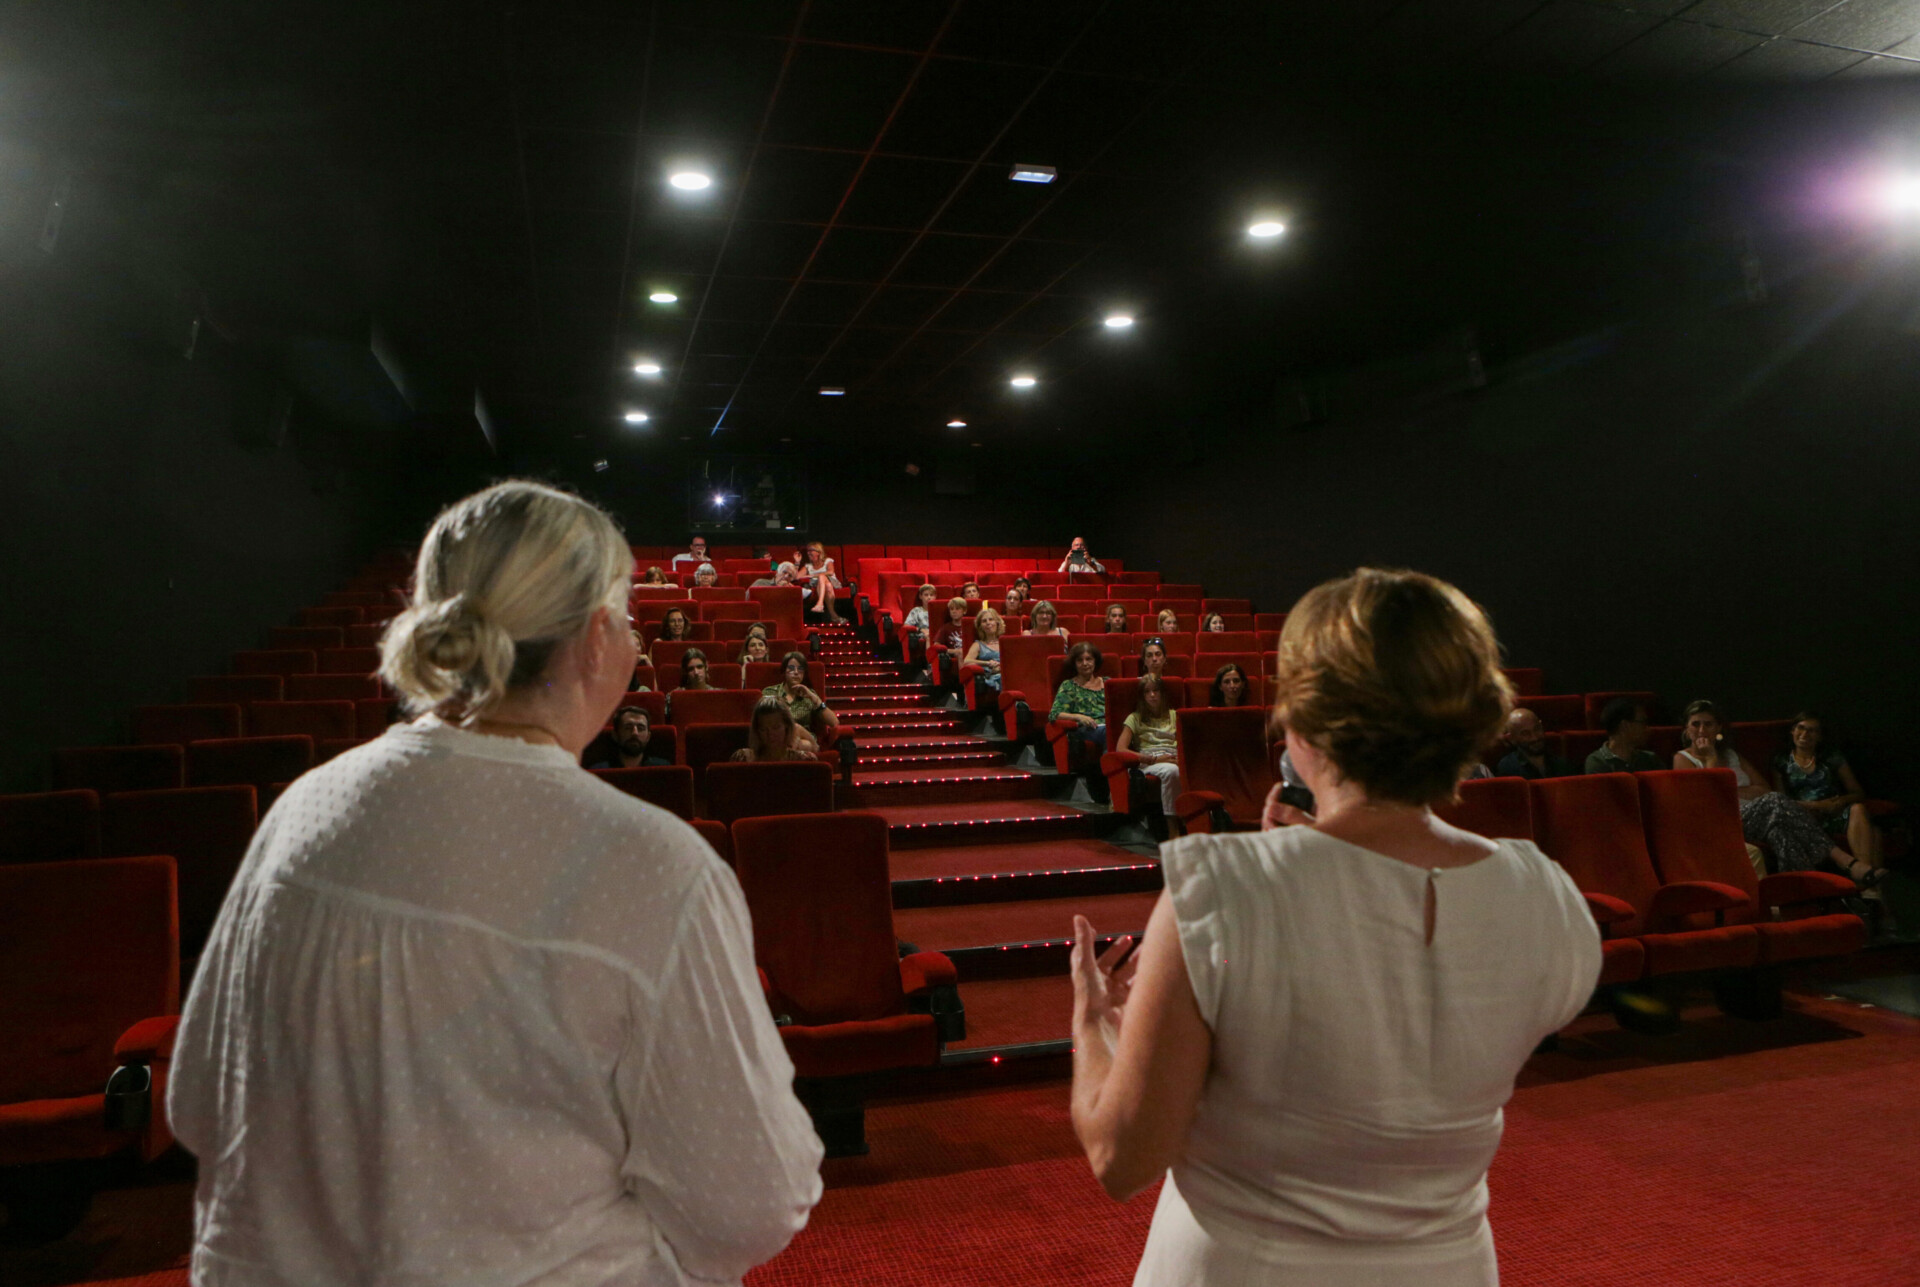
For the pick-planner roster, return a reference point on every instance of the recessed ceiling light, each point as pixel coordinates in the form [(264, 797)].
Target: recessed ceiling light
[(1266, 228), (1033, 174), (664, 297), (1118, 321), (599, 466), (1023, 382), (690, 180), (718, 499), (832, 391), (956, 424), (646, 368), (636, 417)]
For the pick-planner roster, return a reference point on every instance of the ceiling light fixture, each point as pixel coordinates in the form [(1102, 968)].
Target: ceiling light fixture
[(1033, 174), (1023, 382), (646, 368), (956, 424), (664, 297), (1266, 228), (719, 499), (1118, 321), (599, 466), (832, 391), (690, 180), (636, 417)]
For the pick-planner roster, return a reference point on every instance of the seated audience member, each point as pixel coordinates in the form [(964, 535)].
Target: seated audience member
[(1625, 750), (947, 639), (1043, 620), (693, 675), (706, 575), (1116, 619), (1213, 624), (808, 709), (821, 583), (1168, 622), (1530, 757), (1768, 819), (654, 576), (985, 652), (640, 654), (772, 735), (564, 999), (1153, 658), (1014, 605), (1079, 558), (1369, 1164), (696, 554), (1229, 687), (970, 592), (632, 732), (1150, 732), (676, 627), (754, 648), (783, 574), (919, 620), (1822, 782), (1024, 586), (758, 630), (1081, 700)]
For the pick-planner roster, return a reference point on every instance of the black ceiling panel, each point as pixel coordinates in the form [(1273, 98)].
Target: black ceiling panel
[(899, 193), (836, 97), (799, 184)]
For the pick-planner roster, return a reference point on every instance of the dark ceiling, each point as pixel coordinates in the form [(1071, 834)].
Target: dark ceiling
[(489, 182)]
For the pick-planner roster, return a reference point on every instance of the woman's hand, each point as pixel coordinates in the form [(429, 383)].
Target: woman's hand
[(1099, 991), (1705, 747), (1278, 813)]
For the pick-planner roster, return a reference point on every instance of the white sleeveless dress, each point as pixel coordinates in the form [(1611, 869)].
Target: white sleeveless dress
[(1359, 1072)]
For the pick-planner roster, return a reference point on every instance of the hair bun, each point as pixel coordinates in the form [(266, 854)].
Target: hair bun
[(447, 635)]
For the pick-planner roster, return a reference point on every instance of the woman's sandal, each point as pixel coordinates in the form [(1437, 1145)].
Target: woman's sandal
[(1873, 876)]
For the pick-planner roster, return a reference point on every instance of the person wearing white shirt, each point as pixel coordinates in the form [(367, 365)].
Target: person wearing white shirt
[(695, 555), (469, 1014)]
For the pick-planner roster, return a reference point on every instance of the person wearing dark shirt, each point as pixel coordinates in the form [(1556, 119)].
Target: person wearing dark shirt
[(1530, 757), (1625, 750), (632, 735)]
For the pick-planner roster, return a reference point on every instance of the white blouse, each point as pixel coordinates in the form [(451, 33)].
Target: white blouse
[(470, 1015), (1354, 1101)]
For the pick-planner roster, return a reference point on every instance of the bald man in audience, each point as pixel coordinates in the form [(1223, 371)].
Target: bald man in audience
[(1530, 756)]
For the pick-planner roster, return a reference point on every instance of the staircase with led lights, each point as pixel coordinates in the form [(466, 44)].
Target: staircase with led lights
[(992, 853)]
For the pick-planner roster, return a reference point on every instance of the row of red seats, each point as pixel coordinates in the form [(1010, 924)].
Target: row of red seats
[(780, 607)]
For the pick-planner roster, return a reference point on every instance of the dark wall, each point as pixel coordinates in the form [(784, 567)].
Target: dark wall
[(143, 541), (1717, 503)]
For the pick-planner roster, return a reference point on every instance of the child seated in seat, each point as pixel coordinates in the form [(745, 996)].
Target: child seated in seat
[(1151, 732), (920, 616), (946, 643)]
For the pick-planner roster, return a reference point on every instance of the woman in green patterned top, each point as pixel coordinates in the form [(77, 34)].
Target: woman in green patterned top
[(801, 702), (1082, 702)]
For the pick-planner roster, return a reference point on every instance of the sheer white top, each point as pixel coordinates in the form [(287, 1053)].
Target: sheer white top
[(470, 1015), (1359, 1071)]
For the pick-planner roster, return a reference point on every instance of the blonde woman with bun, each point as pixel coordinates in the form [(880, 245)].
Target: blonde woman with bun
[(468, 1013), (1326, 1017)]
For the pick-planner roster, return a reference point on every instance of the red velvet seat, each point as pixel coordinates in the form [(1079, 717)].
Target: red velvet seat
[(706, 744), (1122, 696), (1497, 808), (646, 604), (669, 786), (1693, 832), (277, 661), (1558, 712), (737, 791), (784, 609), (1592, 827), (1760, 741), (366, 636), (1577, 744), (332, 688), (118, 768), (1058, 732), (819, 891), (336, 616), (314, 719), (205, 829), (314, 637), (1595, 704), (718, 838), (654, 704), (372, 715), (1200, 690), (1229, 641), (762, 675), (239, 689), (1226, 767), (712, 594), (1208, 659), (178, 725), (1228, 607), (1024, 682), (1177, 667), (349, 661), (50, 826), (1527, 681), (687, 706), (90, 958), (259, 762)]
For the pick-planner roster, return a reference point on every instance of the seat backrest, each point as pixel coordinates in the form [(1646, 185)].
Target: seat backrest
[(330, 688), (1497, 808), (1229, 641), (118, 768), (236, 688), (1200, 690), (709, 594), (1527, 681), (1596, 703), (1224, 750), (1023, 666), (276, 661), (1209, 659), (314, 637), (1559, 711), (1057, 672), (1577, 744), (1228, 607), (349, 661), (707, 744), (718, 838), (157, 725), (1269, 621), (87, 950), (315, 719), (666, 654), (205, 829), (687, 706), (761, 675), (783, 605), (50, 826), (1692, 819), (1124, 694), (1760, 742), (761, 790), (338, 616), (645, 607), (654, 704), (818, 888), (1179, 666), (372, 716), (668, 786), (258, 762), (1591, 826)]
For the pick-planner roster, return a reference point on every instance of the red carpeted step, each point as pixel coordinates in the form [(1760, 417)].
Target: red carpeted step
[(966, 862), (965, 784), (930, 759), (1016, 1012), (1026, 924), (910, 742), (931, 717), (997, 822), (876, 701)]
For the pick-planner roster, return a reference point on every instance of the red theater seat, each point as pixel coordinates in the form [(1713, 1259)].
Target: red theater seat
[(1497, 808), (349, 661), (367, 636), (1595, 705), (314, 637), (653, 703), (1122, 696), (718, 838), (1057, 732), (1527, 681), (314, 719), (90, 955), (686, 706), (649, 607), (818, 888), (278, 661), (1558, 712), (1693, 832), (1226, 766), (1577, 744), (205, 829), (761, 675), (332, 688), (1592, 827), (708, 595), (1025, 696), (1228, 607), (1265, 621), (118, 768), (159, 725), (372, 715), (783, 607), (262, 763), (1200, 690), (338, 617), (240, 689), (1759, 741), (670, 786), (51, 826), (1178, 667), (1209, 659), (708, 744), (737, 791)]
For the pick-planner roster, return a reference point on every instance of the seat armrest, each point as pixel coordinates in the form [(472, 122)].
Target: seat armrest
[(1196, 808), (1881, 808), (1008, 696), (925, 970), (766, 984), (1786, 888), (148, 1041), (1688, 897), (1608, 910), (1118, 762)]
